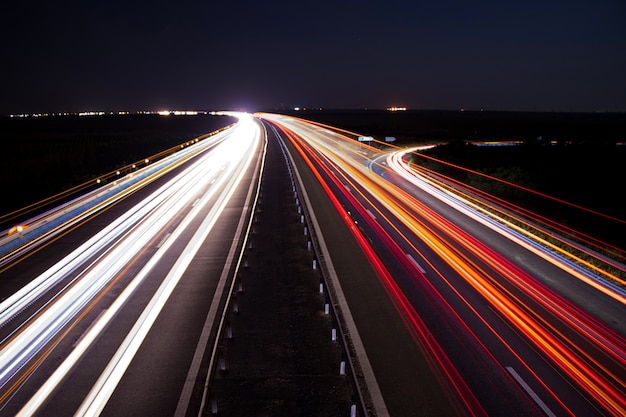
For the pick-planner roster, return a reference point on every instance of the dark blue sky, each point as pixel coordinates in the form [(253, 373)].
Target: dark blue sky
[(149, 55)]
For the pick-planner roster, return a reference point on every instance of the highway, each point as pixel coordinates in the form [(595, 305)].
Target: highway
[(506, 326), (110, 301), (144, 259)]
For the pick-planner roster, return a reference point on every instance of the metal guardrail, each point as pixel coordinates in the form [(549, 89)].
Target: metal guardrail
[(330, 307), (208, 403)]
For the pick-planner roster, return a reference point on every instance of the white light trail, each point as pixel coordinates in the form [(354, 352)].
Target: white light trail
[(130, 234), (108, 381), (397, 163), (148, 220)]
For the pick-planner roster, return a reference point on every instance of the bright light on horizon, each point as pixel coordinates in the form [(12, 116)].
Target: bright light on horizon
[(104, 113)]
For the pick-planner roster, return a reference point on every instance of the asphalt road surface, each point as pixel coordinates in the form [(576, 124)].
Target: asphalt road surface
[(488, 318), (170, 285), (446, 312)]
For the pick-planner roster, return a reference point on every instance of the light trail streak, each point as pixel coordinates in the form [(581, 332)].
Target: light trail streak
[(437, 358), (146, 220), (559, 348), (175, 151), (529, 190), (597, 385), (503, 210), (601, 381), (45, 227), (130, 235), (430, 288), (402, 168), (102, 391), (419, 280), (520, 278)]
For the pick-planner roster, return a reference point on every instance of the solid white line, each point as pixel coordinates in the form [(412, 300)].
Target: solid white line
[(530, 392), (163, 240), (93, 323)]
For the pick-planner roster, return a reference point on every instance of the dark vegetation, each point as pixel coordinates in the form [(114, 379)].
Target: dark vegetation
[(580, 158), (47, 155)]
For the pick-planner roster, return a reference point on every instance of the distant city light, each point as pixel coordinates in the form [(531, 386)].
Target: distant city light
[(396, 108), (102, 113), (179, 112)]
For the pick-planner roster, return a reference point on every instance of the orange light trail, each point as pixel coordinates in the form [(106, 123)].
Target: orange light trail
[(456, 187), (597, 385), (514, 294), (550, 258), (529, 190), (418, 328)]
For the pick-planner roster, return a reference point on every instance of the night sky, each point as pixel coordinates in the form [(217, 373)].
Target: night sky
[(546, 55)]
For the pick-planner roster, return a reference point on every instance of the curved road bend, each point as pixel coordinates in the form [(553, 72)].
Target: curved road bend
[(506, 373), (406, 382)]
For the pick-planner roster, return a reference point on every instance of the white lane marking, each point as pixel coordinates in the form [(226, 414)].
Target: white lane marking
[(82, 336), (530, 392), (163, 240), (408, 255)]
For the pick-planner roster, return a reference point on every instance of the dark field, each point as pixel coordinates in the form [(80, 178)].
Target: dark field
[(43, 156)]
